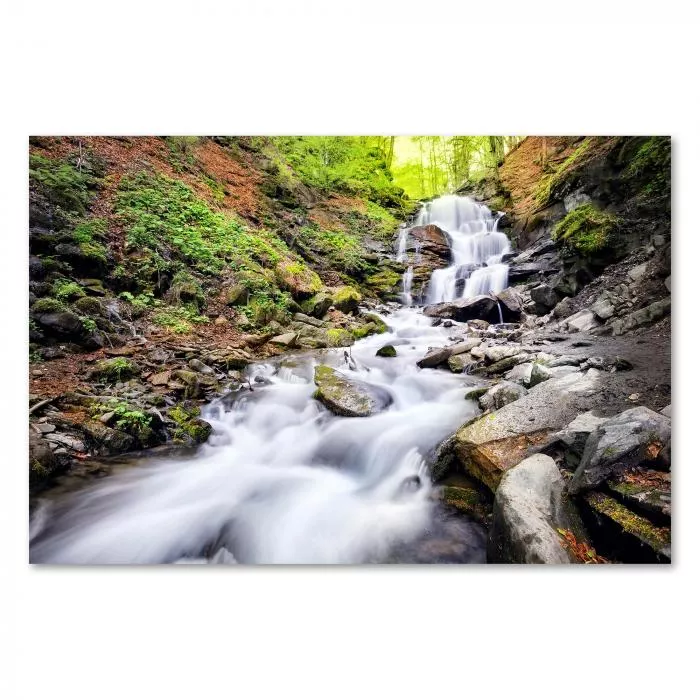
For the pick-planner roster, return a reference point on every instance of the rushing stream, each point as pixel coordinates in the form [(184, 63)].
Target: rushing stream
[(283, 480)]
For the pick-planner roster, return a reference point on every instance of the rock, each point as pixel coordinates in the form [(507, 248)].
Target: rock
[(113, 370), (511, 303), (603, 307), (108, 441), (492, 444), (193, 387), (44, 428), (520, 373), (346, 397), (545, 298), (564, 308), (346, 299), (318, 305), (441, 460), (432, 240), (69, 441), (464, 346), (560, 360), (235, 295), (649, 314), (667, 283), (528, 508), (505, 364), (460, 363), (649, 491), (573, 437), (467, 500), (628, 439), (539, 374), (666, 411), (500, 352), (638, 272), (221, 321), (309, 320), (475, 393), (479, 307), (582, 321), (501, 394), (199, 366), (64, 324), (160, 379), (435, 357), (386, 351), (43, 463), (289, 340), (658, 539)]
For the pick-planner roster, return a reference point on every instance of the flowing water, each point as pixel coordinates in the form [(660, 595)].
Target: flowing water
[(477, 249), (283, 480)]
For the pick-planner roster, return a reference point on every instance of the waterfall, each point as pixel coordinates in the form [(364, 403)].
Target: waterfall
[(401, 255), (406, 296), (477, 248)]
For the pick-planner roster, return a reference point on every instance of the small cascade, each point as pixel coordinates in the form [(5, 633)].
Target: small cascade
[(401, 255), (406, 296), (477, 249)]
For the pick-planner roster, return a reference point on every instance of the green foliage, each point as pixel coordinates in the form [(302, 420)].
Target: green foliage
[(586, 229), (88, 324), (141, 302), (190, 426), (352, 164), (339, 337), (116, 369), (65, 290), (48, 305), (547, 184), (61, 183), (651, 166), (85, 233), (185, 288), (178, 319), (387, 222), (343, 251)]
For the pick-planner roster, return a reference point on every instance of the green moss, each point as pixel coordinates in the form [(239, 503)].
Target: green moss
[(346, 299), (61, 183), (342, 250), (650, 166), (88, 306), (191, 428), (116, 369), (48, 305), (339, 337), (385, 280), (586, 229), (66, 290), (658, 538), (186, 289), (386, 351)]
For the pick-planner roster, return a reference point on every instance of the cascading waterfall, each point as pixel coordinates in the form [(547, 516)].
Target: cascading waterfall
[(477, 249), (283, 480)]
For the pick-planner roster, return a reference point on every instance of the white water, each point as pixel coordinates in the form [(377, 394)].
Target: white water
[(477, 249), (282, 480)]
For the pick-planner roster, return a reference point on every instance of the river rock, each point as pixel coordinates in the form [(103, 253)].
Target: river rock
[(386, 351), (649, 314), (464, 346), (479, 307), (511, 304), (461, 363), (500, 352), (493, 444), (520, 373), (528, 508), (435, 357), (572, 438), (289, 340), (501, 394), (634, 436), (346, 397), (539, 374)]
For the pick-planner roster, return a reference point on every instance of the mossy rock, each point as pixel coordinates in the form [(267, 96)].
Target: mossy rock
[(346, 299), (89, 306), (386, 351), (586, 230), (116, 369), (191, 429), (236, 295), (317, 305), (385, 282), (339, 338), (48, 305), (475, 393), (346, 397), (468, 501)]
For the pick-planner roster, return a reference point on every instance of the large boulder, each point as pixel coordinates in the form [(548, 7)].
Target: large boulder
[(649, 314), (634, 436), (346, 397), (584, 320), (479, 307), (435, 357), (545, 298), (528, 509), (511, 304), (431, 240), (491, 445)]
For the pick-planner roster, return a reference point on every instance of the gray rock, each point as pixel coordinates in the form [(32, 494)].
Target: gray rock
[(564, 308), (539, 374), (649, 314), (511, 303), (309, 320), (199, 366), (346, 397), (491, 445), (582, 321), (638, 272), (544, 296), (620, 442), (574, 436), (520, 373), (287, 339), (666, 411), (478, 307), (528, 507), (560, 360), (436, 357), (464, 346), (461, 363), (667, 283), (603, 307), (502, 394), (500, 352)]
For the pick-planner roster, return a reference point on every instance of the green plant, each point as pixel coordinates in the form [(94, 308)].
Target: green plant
[(61, 183), (66, 290), (547, 184), (651, 165), (586, 229), (178, 319), (88, 324), (48, 305)]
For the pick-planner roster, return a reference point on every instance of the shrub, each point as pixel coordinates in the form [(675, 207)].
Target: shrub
[(65, 290)]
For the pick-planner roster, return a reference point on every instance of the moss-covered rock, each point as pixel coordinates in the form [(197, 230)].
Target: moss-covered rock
[(191, 429), (90, 306), (317, 305), (346, 299), (586, 229), (386, 351), (339, 338), (469, 501), (346, 397), (116, 369)]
